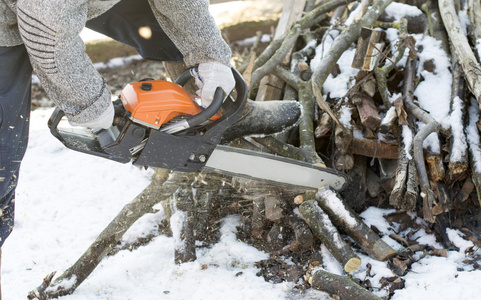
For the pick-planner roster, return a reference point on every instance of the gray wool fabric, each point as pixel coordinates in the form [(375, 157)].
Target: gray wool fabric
[(50, 31)]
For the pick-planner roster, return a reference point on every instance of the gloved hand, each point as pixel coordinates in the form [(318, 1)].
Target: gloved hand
[(104, 121), (209, 76)]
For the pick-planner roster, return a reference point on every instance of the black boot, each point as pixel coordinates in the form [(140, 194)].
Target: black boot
[(266, 117)]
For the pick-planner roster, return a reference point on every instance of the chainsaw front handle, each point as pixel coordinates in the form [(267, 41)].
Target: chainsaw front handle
[(206, 113)]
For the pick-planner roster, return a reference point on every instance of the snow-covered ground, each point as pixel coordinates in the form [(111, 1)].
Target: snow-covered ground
[(65, 199)]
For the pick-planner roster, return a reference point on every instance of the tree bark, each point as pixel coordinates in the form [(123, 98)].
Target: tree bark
[(343, 217), (325, 231), (342, 286)]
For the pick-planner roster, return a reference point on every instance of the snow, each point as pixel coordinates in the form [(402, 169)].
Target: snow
[(345, 117), (398, 10), (472, 134), (408, 138), (457, 130), (338, 207)]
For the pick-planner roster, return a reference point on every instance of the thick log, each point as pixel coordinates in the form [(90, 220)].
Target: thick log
[(343, 217), (342, 286), (375, 148), (273, 207), (436, 167), (323, 229), (368, 111), (258, 220), (475, 147), (469, 63), (368, 49), (183, 219), (343, 136), (304, 239), (458, 152), (355, 192)]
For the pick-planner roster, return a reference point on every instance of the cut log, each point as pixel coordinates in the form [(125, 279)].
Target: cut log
[(368, 111), (375, 148), (304, 239), (458, 154), (273, 207), (325, 231), (342, 286), (436, 167), (258, 221), (368, 49), (343, 217), (475, 147), (355, 192)]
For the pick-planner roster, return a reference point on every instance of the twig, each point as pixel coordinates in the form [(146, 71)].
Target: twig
[(430, 127)]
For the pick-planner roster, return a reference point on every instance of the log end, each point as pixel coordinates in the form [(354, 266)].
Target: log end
[(352, 265)]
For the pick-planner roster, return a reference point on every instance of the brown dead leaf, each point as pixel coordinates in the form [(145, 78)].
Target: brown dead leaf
[(401, 113)]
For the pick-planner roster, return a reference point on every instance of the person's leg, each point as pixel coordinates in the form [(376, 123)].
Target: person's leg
[(15, 83)]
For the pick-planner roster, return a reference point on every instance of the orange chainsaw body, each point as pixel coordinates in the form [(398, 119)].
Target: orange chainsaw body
[(156, 102)]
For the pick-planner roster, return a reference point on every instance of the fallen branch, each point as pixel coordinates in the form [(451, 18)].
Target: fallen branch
[(342, 286), (322, 227), (343, 217)]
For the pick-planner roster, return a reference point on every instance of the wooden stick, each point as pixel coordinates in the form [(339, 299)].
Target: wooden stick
[(342, 286), (343, 217), (323, 229), (458, 159), (430, 127)]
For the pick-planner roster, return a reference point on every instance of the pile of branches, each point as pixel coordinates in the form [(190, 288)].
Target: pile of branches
[(374, 133)]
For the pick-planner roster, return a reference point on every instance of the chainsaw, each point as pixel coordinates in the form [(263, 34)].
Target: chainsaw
[(159, 124)]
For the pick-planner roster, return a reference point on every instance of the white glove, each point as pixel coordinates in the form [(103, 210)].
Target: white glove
[(104, 121), (209, 76)]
